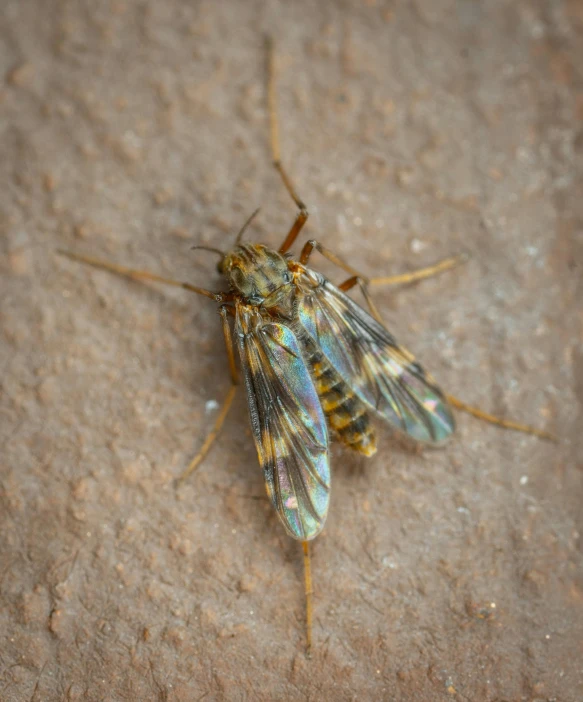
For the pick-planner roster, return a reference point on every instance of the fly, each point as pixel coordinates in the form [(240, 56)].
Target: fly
[(314, 364)]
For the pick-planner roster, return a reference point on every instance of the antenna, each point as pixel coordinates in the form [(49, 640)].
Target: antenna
[(208, 248), (244, 227)]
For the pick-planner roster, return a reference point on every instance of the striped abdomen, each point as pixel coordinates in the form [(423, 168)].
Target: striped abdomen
[(346, 414)]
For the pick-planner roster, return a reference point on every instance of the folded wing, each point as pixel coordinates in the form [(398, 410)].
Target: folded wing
[(384, 375), (288, 424)]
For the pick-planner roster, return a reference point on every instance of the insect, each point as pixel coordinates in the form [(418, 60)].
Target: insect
[(314, 364)]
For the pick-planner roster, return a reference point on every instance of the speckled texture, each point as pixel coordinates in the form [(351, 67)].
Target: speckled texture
[(414, 130)]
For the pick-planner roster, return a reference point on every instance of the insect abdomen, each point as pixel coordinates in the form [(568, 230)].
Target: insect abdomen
[(345, 413)]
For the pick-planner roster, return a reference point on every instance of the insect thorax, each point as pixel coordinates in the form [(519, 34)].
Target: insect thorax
[(261, 277)]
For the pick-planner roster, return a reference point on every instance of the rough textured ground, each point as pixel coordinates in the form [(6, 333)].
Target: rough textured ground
[(415, 130)]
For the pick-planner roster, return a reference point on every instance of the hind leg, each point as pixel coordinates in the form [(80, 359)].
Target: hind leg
[(137, 274), (220, 420)]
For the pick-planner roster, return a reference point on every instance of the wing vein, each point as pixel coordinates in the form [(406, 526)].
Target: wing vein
[(367, 357)]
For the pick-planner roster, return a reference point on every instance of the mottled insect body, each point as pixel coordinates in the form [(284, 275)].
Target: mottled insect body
[(346, 414), (269, 280), (312, 359)]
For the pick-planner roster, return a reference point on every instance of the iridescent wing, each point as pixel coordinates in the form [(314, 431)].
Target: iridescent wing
[(288, 424), (385, 376)]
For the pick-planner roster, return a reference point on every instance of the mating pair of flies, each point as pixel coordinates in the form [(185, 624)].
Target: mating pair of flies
[(314, 364)]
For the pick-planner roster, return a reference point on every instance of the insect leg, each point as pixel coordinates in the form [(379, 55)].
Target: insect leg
[(210, 439), (312, 244), (213, 434), (498, 421), (302, 215), (362, 284), (350, 283), (136, 274), (422, 273), (296, 228), (309, 592), (402, 278), (355, 279)]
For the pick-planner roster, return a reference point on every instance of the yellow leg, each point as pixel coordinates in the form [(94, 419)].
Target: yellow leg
[(361, 282), (309, 592), (212, 436), (312, 244), (445, 265), (136, 274), (220, 420), (244, 227), (492, 419), (302, 215)]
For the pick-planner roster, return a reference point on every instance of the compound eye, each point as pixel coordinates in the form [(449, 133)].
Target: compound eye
[(287, 277)]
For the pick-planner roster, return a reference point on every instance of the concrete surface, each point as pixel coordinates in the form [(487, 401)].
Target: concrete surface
[(415, 130)]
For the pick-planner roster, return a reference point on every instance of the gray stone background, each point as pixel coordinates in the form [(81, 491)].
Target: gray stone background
[(131, 129)]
